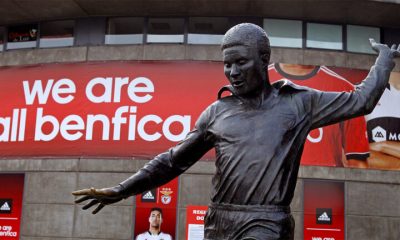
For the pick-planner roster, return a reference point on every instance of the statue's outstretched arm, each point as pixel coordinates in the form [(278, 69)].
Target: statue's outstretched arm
[(162, 169), (331, 107)]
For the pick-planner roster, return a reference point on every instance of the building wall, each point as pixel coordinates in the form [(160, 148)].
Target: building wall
[(180, 52), (372, 196)]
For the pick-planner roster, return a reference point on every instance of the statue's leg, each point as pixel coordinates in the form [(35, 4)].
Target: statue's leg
[(267, 232), (278, 226), (236, 222)]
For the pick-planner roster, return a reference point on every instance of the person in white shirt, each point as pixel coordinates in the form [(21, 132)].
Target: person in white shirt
[(154, 233), (383, 126)]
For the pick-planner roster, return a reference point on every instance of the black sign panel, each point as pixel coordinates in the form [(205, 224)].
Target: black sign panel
[(324, 215), (149, 196), (5, 205), (23, 33)]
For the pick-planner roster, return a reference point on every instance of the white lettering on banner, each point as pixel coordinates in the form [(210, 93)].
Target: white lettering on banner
[(118, 120), (91, 121), (6, 228), (132, 127), (6, 231), (201, 212), (5, 124), (317, 139), (149, 137), (62, 86), (68, 125), (22, 123), (133, 89), (320, 238), (185, 120), (59, 89), (106, 96), (77, 124), (394, 136), (37, 90), (16, 124), (100, 90), (119, 82), (40, 121), (8, 234)]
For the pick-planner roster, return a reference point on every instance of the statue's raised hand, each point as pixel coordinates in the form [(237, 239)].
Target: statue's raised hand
[(99, 197), (384, 49)]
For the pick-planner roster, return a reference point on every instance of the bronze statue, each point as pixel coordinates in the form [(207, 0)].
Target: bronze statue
[(258, 134)]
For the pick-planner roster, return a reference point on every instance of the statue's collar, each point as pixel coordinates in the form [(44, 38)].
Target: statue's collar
[(225, 88), (279, 85), (286, 84)]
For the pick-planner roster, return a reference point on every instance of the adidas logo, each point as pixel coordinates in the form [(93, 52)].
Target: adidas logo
[(324, 217), (148, 196), (5, 207)]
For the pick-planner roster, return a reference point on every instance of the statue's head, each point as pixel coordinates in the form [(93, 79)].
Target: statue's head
[(250, 35), (246, 53)]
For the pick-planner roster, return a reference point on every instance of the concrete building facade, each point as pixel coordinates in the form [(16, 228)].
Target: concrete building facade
[(372, 209)]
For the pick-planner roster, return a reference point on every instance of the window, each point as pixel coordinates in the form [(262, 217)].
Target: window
[(166, 30), (90, 31), (126, 30), (391, 36), (326, 36), (56, 34), (210, 30), (207, 30), (23, 36), (284, 33), (358, 38), (2, 36)]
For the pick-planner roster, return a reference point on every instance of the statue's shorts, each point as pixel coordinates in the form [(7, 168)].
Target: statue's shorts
[(240, 222)]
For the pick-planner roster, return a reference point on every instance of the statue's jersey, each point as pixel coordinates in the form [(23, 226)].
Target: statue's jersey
[(325, 146), (258, 148)]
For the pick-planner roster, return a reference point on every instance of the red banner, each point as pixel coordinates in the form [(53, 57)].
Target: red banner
[(164, 198), (195, 222), (140, 109), (340, 144), (12, 187), (103, 109), (383, 124), (323, 210)]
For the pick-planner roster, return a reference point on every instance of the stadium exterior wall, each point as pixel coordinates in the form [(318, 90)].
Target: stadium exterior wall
[(372, 196)]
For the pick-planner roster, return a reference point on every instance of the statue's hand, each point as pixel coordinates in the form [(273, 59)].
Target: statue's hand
[(384, 49), (102, 197)]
